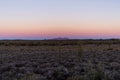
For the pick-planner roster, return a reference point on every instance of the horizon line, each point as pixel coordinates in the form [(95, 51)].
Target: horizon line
[(67, 39)]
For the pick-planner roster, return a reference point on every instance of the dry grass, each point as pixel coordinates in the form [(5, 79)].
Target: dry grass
[(60, 60)]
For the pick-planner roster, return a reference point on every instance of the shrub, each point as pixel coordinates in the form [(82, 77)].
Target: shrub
[(76, 78)]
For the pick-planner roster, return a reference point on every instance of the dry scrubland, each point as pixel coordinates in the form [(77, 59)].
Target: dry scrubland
[(60, 60)]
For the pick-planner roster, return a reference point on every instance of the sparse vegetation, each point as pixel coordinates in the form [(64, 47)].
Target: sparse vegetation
[(60, 60)]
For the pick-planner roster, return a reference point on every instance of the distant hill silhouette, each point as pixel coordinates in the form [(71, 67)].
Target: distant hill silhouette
[(60, 38)]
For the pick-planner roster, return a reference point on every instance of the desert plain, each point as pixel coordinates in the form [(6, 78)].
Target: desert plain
[(60, 59)]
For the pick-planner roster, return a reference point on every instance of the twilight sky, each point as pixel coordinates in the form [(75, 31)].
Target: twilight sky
[(39, 19)]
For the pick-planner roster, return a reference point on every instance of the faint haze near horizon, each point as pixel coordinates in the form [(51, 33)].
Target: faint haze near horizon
[(42, 19)]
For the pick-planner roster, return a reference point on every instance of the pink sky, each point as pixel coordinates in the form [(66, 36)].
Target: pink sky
[(48, 19), (55, 30)]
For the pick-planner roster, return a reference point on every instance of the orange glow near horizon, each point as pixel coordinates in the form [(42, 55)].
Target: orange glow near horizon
[(61, 30)]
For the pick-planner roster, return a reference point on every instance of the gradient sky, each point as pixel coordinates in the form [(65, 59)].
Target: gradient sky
[(39, 19)]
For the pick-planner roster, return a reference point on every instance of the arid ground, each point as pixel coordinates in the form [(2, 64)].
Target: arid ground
[(60, 60)]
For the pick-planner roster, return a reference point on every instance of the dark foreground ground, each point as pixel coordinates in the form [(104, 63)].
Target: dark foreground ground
[(60, 60)]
